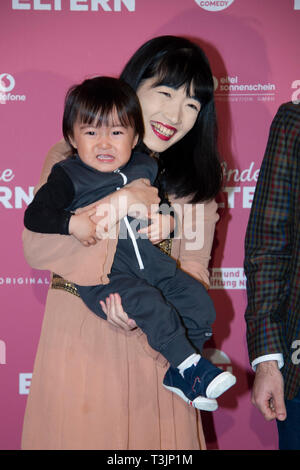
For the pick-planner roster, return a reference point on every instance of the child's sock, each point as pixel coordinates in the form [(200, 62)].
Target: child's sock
[(188, 362)]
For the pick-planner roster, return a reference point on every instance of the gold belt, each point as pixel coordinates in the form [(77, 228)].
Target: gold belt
[(59, 282), (166, 246)]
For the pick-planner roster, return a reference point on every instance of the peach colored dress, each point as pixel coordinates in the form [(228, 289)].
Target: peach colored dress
[(95, 386)]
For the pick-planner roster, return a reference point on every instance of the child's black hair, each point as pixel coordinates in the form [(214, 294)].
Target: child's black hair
[(96, 100)]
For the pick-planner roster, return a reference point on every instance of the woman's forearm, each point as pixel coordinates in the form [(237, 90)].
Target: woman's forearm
[(138, 199)]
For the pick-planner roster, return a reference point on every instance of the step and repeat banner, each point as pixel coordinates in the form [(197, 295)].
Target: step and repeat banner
[(48, 45)]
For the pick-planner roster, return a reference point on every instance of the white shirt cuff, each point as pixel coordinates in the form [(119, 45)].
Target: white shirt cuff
[(268, 357)]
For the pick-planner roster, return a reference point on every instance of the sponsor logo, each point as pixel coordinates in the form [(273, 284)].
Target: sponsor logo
[(13, 197), (2, 352), (237, 195), (214, 5), (218, 358), (24, 383), (24, 281), (74, 5), (229, 88), (227, 278), (7, 84)]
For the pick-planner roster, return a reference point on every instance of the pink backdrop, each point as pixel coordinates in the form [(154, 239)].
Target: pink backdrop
[(46, 46)]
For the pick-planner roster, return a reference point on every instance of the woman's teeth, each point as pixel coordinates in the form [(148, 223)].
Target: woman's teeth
[(163, 130)]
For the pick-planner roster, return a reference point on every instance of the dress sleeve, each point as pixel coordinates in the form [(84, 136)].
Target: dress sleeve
[(194, 238)]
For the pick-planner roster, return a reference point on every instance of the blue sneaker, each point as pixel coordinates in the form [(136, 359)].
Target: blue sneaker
[(174, 382), (200, 381)]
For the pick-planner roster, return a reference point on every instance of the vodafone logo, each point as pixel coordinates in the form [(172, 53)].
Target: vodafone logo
[(7, 82), (214, 5)]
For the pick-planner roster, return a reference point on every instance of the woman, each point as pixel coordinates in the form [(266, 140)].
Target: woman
[(97, 384)]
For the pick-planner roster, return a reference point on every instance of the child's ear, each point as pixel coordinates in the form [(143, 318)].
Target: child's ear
[(135, 140), (72, 141)]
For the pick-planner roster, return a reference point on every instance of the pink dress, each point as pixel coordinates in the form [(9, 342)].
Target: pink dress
[(95, 386)]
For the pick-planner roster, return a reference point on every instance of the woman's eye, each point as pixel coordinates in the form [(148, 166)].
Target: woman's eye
[(194, 106), (165, 93)]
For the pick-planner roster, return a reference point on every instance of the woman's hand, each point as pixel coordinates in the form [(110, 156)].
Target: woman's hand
[(82, 228), (138, 199), (112, 307), (142, 198), (160, 228)]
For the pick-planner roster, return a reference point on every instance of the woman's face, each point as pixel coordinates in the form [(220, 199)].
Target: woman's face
[(168, 114)]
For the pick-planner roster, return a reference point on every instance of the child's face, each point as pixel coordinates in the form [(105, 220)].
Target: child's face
[(105, 148)]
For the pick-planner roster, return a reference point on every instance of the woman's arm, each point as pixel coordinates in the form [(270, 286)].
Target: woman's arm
[(193, 245)]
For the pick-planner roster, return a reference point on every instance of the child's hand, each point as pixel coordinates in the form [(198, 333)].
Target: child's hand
[(160, 228), (82, 228)]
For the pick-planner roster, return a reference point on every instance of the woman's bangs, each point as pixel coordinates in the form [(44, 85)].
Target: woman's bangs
[(183, 69)]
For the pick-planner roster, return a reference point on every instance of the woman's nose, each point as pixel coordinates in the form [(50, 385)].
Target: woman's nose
[(173, 112)]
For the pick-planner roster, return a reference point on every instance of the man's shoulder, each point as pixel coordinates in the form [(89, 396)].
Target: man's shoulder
[(291, 109)]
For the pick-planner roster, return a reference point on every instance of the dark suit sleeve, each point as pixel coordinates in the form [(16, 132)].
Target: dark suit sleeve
[(46, 213), (268, 244)]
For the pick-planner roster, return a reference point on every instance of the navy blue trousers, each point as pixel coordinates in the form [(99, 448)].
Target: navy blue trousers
[(172, 308), (289, 429)]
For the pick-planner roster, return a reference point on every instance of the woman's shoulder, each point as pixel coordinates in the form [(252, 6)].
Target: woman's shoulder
[(59, 151)]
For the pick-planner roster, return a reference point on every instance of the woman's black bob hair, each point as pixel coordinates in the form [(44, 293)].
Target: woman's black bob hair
[(192, 166), (97, 100)]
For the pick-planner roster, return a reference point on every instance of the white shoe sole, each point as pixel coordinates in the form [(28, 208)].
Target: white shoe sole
[(201, 403), (220, 384)]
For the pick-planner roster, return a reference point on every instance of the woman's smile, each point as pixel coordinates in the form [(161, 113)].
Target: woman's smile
[(168, 113), (163, 131)]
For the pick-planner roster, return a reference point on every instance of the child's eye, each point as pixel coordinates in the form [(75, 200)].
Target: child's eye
[(91, 133), (117, 132)]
